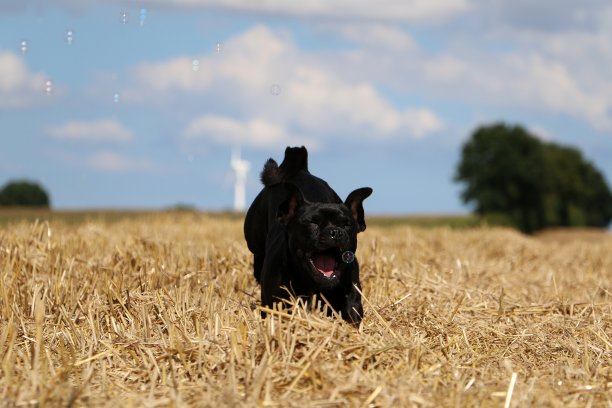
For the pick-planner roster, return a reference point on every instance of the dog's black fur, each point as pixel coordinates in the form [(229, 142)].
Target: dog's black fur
[(297, 229)]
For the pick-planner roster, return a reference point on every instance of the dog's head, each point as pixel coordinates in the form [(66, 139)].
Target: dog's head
[(320, 234)]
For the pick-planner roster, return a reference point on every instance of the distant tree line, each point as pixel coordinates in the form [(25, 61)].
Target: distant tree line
[(21, 193), (508, 172)]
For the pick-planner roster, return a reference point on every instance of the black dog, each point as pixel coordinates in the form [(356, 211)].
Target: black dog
[(304, 237)]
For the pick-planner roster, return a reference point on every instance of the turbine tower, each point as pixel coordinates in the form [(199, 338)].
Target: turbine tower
[(240, 168)]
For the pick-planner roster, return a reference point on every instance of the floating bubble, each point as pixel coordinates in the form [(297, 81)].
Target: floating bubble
[(124, 17), (275, 89), (24, 46), (116, 98), (348, 257), (143, 16), (195, 65), (48, 87), (219, 47), (69, 36)]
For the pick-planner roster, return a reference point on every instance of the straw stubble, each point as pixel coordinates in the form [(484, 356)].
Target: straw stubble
[(163, 310)]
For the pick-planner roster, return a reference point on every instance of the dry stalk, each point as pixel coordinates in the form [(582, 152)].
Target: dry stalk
[(162, 310)]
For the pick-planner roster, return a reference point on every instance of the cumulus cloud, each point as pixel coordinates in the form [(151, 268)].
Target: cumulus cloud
[(551, 84), (525, 80), (105, 161), (313, 99), (103, 130), (396, 10), (245, 66), (110, 161), (513, 66), (18, 86), (561, 73), (374, 35), (542, 15), (324, 101), (256, 132)]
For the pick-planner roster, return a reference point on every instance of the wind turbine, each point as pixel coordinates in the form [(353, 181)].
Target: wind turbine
[(240, 168)]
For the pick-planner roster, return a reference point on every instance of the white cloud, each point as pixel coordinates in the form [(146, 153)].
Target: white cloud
[(248, 63), (105, 160), (563, 72), (526, 80), (551, 84), (560, 73), (103, 130), (579, 63), (256, 132), (541, 133), (422, 122), (315, 99), (374, 35), (395, 10), (542, 15), (110, 161), (324, 102), (18, 86), (171, 75)]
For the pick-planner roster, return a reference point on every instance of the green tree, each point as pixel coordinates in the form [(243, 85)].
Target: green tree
[(508, 171), (596, 201), (503, 171), (565, 185), (23, 193)]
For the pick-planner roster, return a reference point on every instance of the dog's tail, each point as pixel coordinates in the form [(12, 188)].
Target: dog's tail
[(296, 160)]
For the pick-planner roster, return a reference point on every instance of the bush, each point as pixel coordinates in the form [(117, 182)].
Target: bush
[(23, 193)]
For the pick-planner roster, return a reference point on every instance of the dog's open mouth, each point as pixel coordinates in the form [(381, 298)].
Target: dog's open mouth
[(326, 262)]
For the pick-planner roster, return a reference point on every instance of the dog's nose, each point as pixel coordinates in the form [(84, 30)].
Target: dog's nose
[(334, 233)]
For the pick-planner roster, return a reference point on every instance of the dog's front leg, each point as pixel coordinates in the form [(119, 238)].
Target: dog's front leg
[(352, 311)]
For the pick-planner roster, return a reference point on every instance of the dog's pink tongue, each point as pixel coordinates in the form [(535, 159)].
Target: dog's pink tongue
[(324, 263)]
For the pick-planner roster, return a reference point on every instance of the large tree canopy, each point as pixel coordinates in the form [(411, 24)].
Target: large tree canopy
[(508, 171), (23, 193)]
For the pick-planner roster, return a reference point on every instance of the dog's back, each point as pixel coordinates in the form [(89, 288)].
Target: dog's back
[(263, 211)]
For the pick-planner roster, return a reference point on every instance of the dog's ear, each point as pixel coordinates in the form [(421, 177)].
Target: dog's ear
[(354, 202), (290, 205)]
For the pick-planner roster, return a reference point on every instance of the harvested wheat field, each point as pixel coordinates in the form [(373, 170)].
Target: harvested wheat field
[(162, 310)]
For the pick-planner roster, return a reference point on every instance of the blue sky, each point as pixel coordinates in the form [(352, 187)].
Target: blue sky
[(382, 93)]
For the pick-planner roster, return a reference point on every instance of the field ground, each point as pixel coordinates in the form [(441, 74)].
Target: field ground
[(12, 215), (162, 310)]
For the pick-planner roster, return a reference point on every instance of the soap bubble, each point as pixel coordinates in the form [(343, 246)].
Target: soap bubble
[(69, 36), (348, 257), (48, 87), (143, 16), (195, 65), (24, 46), (275, 89), (124, 17)]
